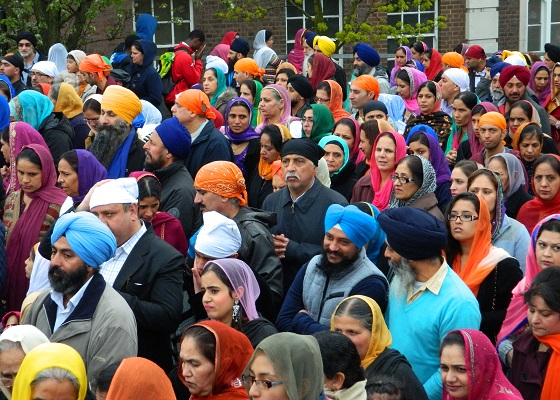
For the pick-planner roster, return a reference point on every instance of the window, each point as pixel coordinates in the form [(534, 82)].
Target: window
[(174, 20), (540, 21)]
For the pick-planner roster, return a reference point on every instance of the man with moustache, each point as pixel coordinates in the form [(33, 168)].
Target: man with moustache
[(343, 269), (426, 298), (82, 310), (116, 145), (299, 207), (366, 62), (27, 48), (301, 92), (238, 50)]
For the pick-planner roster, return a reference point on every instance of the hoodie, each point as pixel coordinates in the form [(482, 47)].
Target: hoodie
[(144, 79)]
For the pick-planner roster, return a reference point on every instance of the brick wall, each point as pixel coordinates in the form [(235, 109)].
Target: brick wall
[(508, 25), (454, 33)]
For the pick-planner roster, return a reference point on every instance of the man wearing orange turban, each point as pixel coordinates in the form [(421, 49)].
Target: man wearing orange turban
[(247, 69), (220, 186), (192, 109), (453, 60), (96, 71), (492, 129), (363, 89)]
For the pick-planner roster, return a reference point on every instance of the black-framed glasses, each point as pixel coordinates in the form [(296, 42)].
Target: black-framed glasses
[(462, 217), (262, 384), (318, 100), (402, 179)]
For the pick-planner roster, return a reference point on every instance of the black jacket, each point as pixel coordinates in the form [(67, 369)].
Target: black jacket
[(136, 157), (58, 134), (210, 145), (344, 181)]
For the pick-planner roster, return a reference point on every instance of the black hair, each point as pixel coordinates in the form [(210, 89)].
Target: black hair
[(6, 135), (138, 46), (4, 88), (431, 87), (288, 71), (403, 76), (348, 123), (371, 129), (454, 338), (467, 166), (420, 136), (414, 164), (240, 103), (93, 105), (531, 131), (546, 285), (525, 106), (31, 156), (418, 46), (70, 56), (385, 385), (251, 85), (453, 245), (324, 85), (339, 354), (105, 377), (129, 41), (552, 225), (310, 60), (547, 159), (267, 35), (458, 48), (71, 157), (274, 134), (358, 309), (148, 186), (468, 98), (478, 109), (197, 34), (204, 339), (429, 53)]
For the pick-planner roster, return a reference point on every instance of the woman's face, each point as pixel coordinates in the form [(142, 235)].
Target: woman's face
[(365, 145), (345, 133), (92, 119), (238, 119), (353, 329), (71, 65), (10, 361), (268, 153), (454, 372), (209, 83), (556, 77), (500, 169), (547, 181), (517, 117), (29, 176), (542, 319), (474, 120), (216, 299), (136, 55), (51, 389), (68, 178), (246, 93), (269, 106), (400, 58), (404, 191), (5, 150), (28, 270), (426, 100), (415, 54), (419, 149), (529, 148), (463, 231), (198, 372), (282, 80), (458, 182), (262, 370), (375, 114), (385, 154), (403, 89), (322, 97), (277, 183), (547, 249), (461, 113), (425, 61), (334, 156), (147, 208), (270, 42), (309, 70), (541, 80), (308, 122), (483, 188)]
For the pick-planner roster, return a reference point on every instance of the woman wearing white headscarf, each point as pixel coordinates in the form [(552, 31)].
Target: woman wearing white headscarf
[(264, 56)]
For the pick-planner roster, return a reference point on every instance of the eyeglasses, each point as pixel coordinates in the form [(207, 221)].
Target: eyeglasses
[(462, 217), (262, 384), (8, 378), (402, 179), (90, 120), (321, 101), (37, 74), (24, 45), (305, 119)]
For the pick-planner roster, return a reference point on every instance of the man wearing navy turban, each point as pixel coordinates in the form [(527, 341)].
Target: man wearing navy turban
[(367, 62), (342, 270), (81, 310)]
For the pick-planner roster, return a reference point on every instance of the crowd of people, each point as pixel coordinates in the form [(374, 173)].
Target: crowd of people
[(289, 232)]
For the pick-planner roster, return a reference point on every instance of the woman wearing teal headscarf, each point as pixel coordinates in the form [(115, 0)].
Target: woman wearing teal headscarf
[(341, 171), (251, 90), (214, 85), (318, 122)]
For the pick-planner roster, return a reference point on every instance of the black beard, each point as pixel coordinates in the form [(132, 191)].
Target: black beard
[(331, 269), (364, 69), (107, 141), (67, 282), (154, 165)]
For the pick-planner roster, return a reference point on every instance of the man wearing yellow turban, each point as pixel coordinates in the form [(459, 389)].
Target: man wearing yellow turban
[(326, 46)]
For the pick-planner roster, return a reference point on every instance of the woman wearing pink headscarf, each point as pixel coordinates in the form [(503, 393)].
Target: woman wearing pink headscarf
[(297, 54), (408, 82)]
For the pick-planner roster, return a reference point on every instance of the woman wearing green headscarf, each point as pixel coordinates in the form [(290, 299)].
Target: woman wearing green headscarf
[(251, 90), (214, 85), (318, 122), (341, 171)]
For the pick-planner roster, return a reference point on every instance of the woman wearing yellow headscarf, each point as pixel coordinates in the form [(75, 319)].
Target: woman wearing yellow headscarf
[(51, 364), (360, 319)]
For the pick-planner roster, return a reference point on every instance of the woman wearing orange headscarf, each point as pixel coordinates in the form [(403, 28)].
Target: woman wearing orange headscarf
[(490, 272), (329, 93)]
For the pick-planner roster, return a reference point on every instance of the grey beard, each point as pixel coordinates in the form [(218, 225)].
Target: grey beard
[(107, 141), (363, 70), (404, 277), (496, 95)]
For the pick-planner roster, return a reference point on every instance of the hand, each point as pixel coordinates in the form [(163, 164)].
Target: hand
[(280, 245), (451, 156), (5, 171), (196, 280), (198, 53), (84, 205)]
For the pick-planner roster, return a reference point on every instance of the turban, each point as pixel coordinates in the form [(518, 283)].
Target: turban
[(217, 63), (552, 51), (303, 147), (27, 36), (515, 59), (309, 37), (46, 67), (250, 66), (356, 225), (117, 191), (78, 56), (277, 169), (413, 233), (458, 77), (197, 102), (497, 68), (123, 102), (367, 54), (475, 51), (286, 65), (16, 60), (326, 45), (490, 62), (301, 85), (175, 137), (240, 45), (88, 237), (454, 60), (520, 73), (493, 118), (223, 178), (368, 83), (375, 105), (219, 236), (95, 63)]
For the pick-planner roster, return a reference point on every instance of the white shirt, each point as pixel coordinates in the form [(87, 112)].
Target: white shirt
[(63, 313)]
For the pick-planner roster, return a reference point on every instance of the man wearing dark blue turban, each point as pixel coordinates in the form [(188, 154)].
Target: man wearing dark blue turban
[(367, 62)]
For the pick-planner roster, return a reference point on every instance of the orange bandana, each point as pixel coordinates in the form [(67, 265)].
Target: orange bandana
[(223, 178), (250, 66), (197, 102)]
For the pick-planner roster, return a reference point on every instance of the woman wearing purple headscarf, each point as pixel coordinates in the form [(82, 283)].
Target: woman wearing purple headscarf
[(540, 81), (230, 291), (403, 58)]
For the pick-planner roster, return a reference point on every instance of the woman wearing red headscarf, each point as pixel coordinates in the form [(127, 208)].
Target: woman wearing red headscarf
[(319, 68)]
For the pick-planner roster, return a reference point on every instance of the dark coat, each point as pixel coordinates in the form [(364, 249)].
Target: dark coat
[(344, 181), (81, 131), (258, 189), (58, 134), (363, 191), (144, 79), (136, 157), (516, 201), (529, 365)]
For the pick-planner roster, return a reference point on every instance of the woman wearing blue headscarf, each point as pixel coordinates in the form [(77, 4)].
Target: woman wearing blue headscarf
[(341, 171)]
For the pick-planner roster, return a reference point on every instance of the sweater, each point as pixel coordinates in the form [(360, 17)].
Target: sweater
[(513, 238)]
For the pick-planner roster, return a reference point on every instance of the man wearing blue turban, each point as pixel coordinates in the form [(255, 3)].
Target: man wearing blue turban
[(367, 62), (342, 270), (81, 310)]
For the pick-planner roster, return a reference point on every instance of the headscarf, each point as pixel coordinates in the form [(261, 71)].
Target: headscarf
[(323, 122), (68, 101), (90, 171), (45, 356), (428, 185), (221, 85), (416, 79), (58, 54), (516, 314), (516, 173), (233, 351), (223, 178), (335, 105), (297, 362), (483, 257), (45, 88), (123, 102), (96, 64), (437, 158), (247, 134), (7, 82), (355, 153), (517, 134), (21, 135), (352, 221), (435, 65), (380, 338), (409, 63), (395, 105), (263, 54), (286, 65), (331, 139), (326, 45), (383, 194), (266, 170), (286, 112), (297, 55), (78, 56), (484, 369), (229, 37), (240, 275), (474, 142), (32, 107), (454, 60), (47, 67), (222, 51), (323, 68), (536, 67), (28, 337)]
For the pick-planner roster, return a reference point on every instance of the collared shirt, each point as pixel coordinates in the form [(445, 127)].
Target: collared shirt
[(301, 195), (433, 284), (196, 134), (110, 269), (62, 313)]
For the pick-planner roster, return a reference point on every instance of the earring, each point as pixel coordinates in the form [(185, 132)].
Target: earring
[(236, 308)]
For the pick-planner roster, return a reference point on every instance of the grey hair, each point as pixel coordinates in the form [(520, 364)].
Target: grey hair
[(275, 92), (6, 344), (55, 89), (59, 374)]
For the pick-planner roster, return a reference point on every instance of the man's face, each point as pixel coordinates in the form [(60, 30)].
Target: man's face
[(184, 115), (67, 272), (240, 76), (38, 77), (514, 90), (208, 201), (549, 63), (317, 49), (338, 247), (360, 67), (491, 136), (298, 171), (90, 78), (121, 219), (234, 56), (9, 70), (157, 155), (473, 63), (359, 97), (25, 48), (197, 44), (295, 97), (448, 88), (109, 118)]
